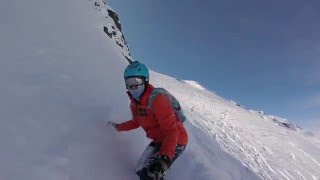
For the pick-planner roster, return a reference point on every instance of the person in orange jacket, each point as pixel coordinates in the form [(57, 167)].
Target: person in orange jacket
[(159, 120)]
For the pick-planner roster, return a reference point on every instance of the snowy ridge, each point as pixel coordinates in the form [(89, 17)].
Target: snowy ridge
[(112, 26), (272, 151), (61, 80), (194, 84)]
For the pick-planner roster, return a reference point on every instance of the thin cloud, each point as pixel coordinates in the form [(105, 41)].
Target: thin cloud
[(313, 101), (313, 76), (316, 100), (313, 126)]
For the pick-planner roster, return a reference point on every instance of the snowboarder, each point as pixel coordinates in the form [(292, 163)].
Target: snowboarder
[(162, 122)]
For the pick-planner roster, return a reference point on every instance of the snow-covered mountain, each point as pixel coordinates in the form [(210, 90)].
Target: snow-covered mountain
[(61, 80)]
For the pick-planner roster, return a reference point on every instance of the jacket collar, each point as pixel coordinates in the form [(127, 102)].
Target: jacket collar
[(145, 96)]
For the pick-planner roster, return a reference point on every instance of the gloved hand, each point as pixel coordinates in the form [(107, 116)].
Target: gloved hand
[(161, 165), (113, 124)]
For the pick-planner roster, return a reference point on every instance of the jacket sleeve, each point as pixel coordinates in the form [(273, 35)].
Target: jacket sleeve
[(129, 125), (165, 115)]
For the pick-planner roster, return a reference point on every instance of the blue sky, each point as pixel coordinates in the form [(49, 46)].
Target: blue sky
[(263, 54)]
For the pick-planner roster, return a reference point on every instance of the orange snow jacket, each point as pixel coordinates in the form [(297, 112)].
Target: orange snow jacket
[(160, 124)]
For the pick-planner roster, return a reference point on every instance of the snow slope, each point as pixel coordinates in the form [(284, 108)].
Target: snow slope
[(272, 147), (61, 80)]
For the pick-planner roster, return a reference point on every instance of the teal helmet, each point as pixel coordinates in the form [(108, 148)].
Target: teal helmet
[(136, 69)]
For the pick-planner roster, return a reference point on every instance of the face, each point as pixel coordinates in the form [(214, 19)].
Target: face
[(136, 86), (133, 82)]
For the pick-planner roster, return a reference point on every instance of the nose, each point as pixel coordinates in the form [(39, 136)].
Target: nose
[(134, 87)]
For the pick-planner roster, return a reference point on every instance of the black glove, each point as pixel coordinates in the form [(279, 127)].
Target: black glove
[(113, 124), (161, 165)]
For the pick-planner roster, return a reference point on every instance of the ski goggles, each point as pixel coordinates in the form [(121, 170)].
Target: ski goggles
[(133, 82)]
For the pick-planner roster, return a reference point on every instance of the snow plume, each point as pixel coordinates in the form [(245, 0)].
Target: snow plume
[(61, 77), (195, 84), (61, 80)]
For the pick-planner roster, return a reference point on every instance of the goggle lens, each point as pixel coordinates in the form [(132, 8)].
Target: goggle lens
[(133, 82)]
